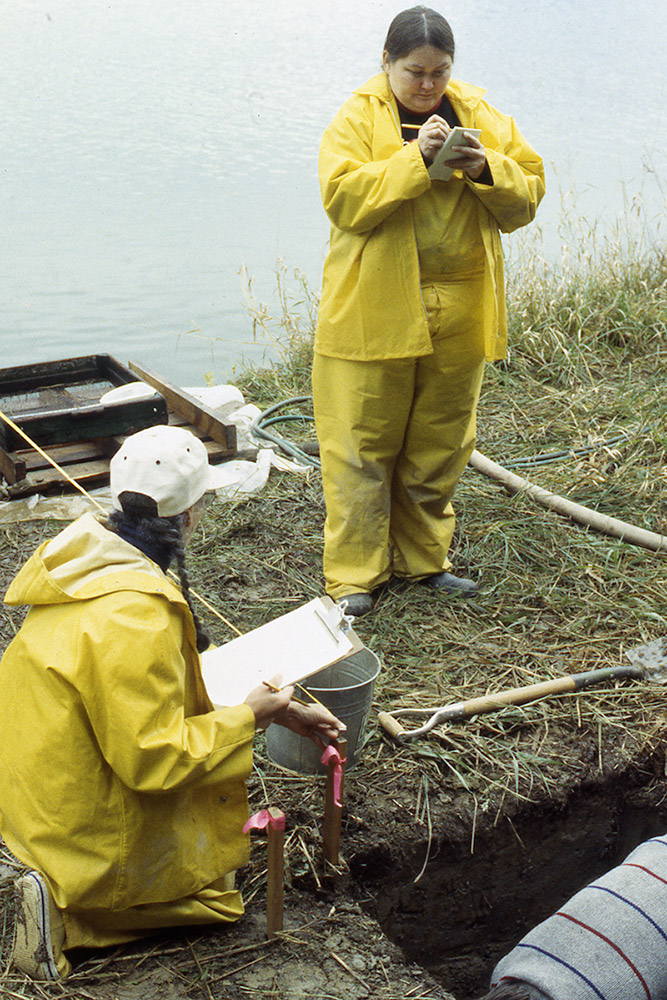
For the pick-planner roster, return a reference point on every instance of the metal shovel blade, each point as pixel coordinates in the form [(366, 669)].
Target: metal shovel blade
[(651, 658)]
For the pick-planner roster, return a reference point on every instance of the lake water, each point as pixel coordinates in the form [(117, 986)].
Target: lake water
[(153, 149)]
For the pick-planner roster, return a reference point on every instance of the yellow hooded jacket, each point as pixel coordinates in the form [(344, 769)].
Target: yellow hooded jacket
[(371, 308), (118, 780)]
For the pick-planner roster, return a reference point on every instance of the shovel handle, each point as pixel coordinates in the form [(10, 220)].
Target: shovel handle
[(462, 710), (532, 692), (391, 725), (517, 696)]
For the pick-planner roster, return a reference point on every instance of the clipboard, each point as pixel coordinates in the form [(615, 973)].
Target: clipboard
[(296, 645)]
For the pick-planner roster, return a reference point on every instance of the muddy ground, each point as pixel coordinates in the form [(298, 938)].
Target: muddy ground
[(453, 845)]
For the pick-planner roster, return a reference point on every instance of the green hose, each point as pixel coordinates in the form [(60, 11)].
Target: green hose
[(267, 419)]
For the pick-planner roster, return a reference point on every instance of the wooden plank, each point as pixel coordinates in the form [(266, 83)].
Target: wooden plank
[(45, 480), (82, 460), (12, 469), (187, 406), (83, 457), (86, 451)]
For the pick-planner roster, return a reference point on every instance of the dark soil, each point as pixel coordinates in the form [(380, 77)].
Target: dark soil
[(453, 845)]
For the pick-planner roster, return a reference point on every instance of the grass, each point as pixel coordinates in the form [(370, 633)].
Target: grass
[(585, 378), (290, 331)]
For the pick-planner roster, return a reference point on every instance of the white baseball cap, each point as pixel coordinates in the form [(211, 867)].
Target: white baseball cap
[(167, 464)]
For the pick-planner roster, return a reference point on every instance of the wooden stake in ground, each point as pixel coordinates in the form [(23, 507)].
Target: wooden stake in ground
[(273, 821), (275, 872), (335, 758)]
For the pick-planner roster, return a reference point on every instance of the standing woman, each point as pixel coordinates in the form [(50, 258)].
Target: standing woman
[(412, 305)]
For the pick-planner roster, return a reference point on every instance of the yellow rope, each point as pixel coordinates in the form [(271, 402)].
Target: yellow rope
[(17, 429), (213, 611), (81, 489)]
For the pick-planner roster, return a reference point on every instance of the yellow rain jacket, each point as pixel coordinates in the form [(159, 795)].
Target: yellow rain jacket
[(371, 181), (118, 780)]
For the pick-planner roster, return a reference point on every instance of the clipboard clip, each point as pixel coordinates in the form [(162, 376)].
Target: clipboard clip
[(334, 619)]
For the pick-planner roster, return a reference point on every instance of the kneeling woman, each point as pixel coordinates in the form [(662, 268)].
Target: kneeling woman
[(121, 786)]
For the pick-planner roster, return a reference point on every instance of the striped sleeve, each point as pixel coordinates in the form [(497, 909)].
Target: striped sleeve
[(608, 942)]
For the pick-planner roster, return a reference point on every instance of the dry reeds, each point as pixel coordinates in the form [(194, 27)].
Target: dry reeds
[(583, 391)]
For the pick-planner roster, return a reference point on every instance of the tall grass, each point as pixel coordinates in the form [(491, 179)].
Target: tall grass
[(288, 328), (604, 301)]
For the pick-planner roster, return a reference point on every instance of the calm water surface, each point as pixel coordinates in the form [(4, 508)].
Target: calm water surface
[(152, 149)]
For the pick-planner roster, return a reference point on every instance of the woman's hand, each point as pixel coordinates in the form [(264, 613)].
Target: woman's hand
[(431, 136), (269, 700), (472, 159), (314, 721), (271, 703)]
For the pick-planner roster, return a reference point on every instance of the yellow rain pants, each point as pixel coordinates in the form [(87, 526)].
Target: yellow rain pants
[(102, 928), (215, 903), (395, 436)]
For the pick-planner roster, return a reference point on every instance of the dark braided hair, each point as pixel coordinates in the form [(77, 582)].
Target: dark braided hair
[(160, 538), (203, 641)]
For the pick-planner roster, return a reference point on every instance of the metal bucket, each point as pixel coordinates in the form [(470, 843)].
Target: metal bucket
[(346, 688)]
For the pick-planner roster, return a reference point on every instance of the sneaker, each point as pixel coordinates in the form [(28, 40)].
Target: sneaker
[(451, 584), (357, 604), (33, 951)]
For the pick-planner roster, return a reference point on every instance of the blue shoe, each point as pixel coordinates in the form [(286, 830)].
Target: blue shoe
[(451, 584)]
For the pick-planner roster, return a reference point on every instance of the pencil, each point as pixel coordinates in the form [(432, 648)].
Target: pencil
[(407, 125), (272, 687), (310, 694), (315, 701)]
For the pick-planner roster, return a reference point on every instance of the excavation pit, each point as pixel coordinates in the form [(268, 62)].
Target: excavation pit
[(487, 884)]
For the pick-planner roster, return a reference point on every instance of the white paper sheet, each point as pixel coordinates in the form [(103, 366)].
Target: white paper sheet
[(295, 645)]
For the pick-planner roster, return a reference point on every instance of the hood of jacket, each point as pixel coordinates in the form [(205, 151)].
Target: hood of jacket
[(84, 561)]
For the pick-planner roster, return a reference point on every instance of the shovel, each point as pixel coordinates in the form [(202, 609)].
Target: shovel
[(649, 663)]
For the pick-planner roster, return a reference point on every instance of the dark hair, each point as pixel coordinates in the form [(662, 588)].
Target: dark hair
[(416, 27), (161, 538)]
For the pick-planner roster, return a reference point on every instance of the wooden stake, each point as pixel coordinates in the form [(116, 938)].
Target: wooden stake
[(333, 812), (275, 874)]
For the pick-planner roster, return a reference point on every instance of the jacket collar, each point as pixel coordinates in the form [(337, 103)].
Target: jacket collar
[(458, 92)]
